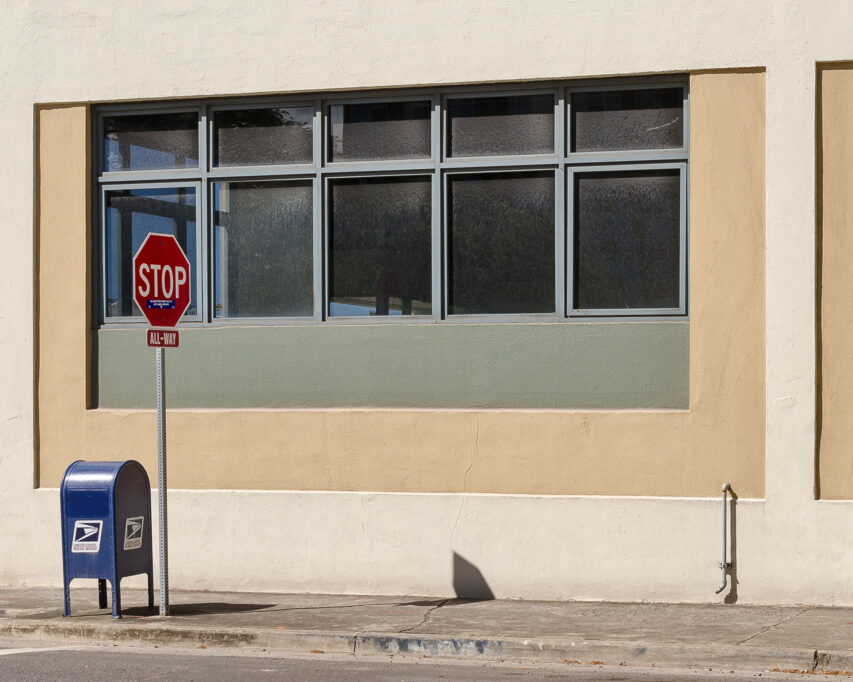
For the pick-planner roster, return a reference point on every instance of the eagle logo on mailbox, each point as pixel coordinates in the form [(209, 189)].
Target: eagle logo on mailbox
[(87, 536), (133, 532)]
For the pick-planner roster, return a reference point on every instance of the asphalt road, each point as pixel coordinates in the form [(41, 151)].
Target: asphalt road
[(29, 662)]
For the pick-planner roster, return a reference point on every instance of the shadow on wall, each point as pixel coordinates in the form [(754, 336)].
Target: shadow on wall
[(731, 597), (468, 582)]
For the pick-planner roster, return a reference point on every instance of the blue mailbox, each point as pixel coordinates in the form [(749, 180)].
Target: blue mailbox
[(106, 527)]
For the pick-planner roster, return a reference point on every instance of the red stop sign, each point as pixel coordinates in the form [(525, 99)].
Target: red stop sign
[(161, 280)]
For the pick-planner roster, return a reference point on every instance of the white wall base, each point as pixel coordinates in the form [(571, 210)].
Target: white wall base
[(526, 547)]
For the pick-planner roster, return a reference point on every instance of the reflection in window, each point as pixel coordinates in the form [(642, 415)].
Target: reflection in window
[(379, 247), (151, 142), (627, 239), (379, 130), (255, 137), (130, 216), (501, 243), (263, 249), (627, 119)]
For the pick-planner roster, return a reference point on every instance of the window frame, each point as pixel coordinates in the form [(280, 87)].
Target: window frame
[(558, 285), (667, 154), (372, 319), (448, 160), (379, 164), (439, 166), (243, 320), (681, 167), (148, 175), (215, 170)]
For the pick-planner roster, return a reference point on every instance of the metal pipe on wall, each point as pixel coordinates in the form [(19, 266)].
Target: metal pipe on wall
[(724, 565)]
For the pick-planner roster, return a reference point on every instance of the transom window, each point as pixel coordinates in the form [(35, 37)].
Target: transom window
[(545, 203)]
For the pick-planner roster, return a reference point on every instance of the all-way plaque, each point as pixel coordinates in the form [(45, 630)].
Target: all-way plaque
[(158, 338)]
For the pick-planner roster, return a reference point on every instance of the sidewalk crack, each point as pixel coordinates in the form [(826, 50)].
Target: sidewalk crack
[(426, 616), (774, 625)]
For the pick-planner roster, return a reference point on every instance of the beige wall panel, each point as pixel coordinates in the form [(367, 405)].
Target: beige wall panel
[(835, 232), (633, 452), (64, 207), (726, 279)]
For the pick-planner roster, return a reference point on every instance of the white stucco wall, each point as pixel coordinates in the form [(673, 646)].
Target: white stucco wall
[(790, 547)]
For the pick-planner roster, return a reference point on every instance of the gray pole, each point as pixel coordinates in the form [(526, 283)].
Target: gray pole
[(161, 480)]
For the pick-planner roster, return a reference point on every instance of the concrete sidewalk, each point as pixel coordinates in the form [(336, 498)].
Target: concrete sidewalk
[(666, 635)]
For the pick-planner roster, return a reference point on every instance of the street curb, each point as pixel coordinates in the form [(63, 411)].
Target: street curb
[(486, 648), (834, 660), (590, 651)]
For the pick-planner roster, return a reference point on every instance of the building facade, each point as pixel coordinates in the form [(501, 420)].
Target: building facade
[(488, 298)]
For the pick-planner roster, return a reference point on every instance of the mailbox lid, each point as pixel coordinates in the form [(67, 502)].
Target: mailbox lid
[(89, 488), (91, 475)]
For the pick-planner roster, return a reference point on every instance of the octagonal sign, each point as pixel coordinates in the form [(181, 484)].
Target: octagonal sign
[(161, 280)]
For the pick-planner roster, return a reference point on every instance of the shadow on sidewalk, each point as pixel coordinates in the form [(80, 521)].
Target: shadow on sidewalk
[(469, 584), (200, 609)]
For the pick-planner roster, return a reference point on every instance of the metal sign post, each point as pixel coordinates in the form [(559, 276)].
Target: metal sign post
[(160, 354), (162, 290)]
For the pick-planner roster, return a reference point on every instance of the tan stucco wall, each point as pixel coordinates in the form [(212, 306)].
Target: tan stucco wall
[(668, 453), (835, 254)]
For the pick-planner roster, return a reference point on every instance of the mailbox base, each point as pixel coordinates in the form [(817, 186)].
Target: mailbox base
[(102, 595)]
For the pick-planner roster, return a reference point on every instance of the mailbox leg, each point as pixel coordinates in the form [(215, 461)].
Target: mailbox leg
[(67, 607), (102, 593), (116, 598), (150, 589)]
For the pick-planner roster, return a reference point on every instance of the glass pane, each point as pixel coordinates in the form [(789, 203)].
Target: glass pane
[(501, 243), (257, 137), (130, 215), (379, 130), (379, 247), (151, 142), (627, 119), (627, 239), (262, 249), (493, 126)]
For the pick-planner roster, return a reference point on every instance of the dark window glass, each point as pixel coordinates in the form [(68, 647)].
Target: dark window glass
[(501, 243), (627, 239), (627, 119), (379, 247), (379, 130), (151, 142), (262, 251), (130, 215), (257, 137), (492, 126)]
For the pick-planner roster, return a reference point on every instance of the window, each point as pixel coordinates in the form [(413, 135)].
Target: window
[(262, 249), (380, 246), (129, 215), (538, 203), (500, 243)]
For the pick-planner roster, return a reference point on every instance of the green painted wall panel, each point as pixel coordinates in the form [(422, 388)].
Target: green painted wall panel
[(579, 365)]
